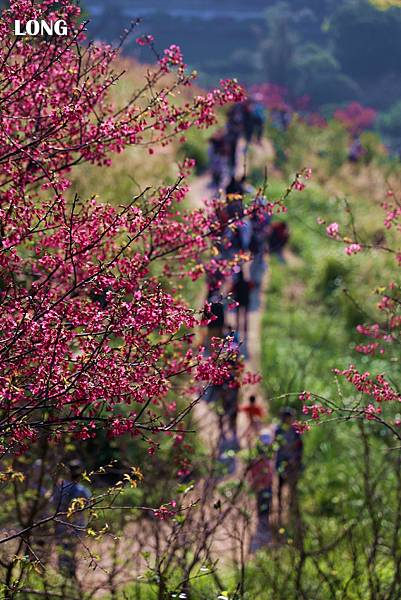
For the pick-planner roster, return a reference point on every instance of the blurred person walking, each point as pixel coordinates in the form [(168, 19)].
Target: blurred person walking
[(356, 151), (254, 413), (260, 476), (288, 460), (70, 530), (215, 313), (259, 117), (227, 398), (248, 123), (278, 239), (218, 158), (254, 117), (234, 130), (260, 224), (241, 291)]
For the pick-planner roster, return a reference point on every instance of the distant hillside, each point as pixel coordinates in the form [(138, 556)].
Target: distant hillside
[(334, 51), (216, 36)]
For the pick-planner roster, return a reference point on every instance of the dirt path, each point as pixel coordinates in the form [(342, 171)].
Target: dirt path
[(228, 544)]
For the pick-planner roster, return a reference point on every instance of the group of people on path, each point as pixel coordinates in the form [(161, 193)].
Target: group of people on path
[(236, 234), (244, 120), (274, 464), (275, 452)]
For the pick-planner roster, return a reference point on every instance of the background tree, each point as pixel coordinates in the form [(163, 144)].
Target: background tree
[(278, 49), (366, 41)]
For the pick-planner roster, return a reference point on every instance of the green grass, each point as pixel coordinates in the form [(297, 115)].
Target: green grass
[(314, 302), (309, 329)]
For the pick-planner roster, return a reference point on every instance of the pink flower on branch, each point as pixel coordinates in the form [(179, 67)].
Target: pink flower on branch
[(145, 40), (332, 230), (353, 249)]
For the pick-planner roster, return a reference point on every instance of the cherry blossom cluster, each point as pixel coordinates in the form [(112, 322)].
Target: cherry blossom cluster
[(376, 387), (316, 411), (94, 330), (299, 183)]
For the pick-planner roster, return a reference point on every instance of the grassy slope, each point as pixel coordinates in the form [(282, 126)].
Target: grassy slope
[(309, 326), (308, 329)]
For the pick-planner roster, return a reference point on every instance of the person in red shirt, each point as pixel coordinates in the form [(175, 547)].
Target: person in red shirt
[(252, 410), (255, 414)]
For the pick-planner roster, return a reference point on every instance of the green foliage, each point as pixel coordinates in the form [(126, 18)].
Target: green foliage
[(325, 149), (373, 147), (389, 122), (333, 276), (333, 147), (195, 147), (308, 329), (278, 48), (385, 4), (313, 301), (353, 26), (317, 74)]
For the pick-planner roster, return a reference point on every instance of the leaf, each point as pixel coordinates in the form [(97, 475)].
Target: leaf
[(91, 532), (136, 472), (132, 482), (185, 488), (86, 477), (180, 519), (11, 475), (76, 505)]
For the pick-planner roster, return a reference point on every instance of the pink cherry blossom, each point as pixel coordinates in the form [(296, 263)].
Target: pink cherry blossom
[(353, 249), (332, 230)]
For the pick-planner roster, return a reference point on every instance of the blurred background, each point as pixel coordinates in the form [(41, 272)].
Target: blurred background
[(330, 51)]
